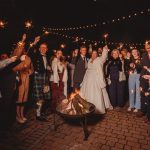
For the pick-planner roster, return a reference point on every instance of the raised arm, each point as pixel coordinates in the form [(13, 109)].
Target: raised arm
[(104, 56)]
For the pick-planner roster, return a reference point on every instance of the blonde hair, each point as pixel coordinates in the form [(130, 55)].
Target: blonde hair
[(115, 50)]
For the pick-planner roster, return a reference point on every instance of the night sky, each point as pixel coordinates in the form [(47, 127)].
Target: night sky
[(68, 13)]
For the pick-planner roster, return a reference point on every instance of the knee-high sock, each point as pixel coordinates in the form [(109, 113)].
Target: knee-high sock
[(39, 107)]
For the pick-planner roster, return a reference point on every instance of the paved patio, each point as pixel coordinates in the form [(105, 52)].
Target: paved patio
[(114, 131)]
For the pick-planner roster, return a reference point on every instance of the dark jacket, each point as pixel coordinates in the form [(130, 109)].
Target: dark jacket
[(145, 61), (38, 62), (79, 70), (114, 66)]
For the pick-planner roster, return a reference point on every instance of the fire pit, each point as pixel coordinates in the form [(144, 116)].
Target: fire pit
[(76, 107)]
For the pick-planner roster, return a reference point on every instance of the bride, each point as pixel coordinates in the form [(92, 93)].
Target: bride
[(93, 86)]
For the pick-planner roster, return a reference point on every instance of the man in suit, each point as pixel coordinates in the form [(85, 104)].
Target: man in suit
[(80, 67)]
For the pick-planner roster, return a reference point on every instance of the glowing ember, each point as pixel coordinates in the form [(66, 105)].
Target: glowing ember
[(75, 104)]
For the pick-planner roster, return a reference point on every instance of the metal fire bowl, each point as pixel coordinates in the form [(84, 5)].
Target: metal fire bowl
[(58, 110)]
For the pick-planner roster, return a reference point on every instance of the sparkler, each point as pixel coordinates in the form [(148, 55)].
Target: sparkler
[(37, 39), (62, 46), (105, 37), (45, 32), (2, 24), (77, 39), (28, 24), (121, 45)]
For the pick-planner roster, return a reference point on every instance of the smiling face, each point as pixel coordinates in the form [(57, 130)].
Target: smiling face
[(135, 53), (115, 54), (100, 50), (83, 51), (59, 54), (43, 48), (94, 55)]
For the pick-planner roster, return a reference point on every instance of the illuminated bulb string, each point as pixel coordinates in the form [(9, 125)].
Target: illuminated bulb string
[(103, 23), (95, 42)]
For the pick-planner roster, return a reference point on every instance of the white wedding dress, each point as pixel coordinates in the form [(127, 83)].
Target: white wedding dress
[(93, 86)]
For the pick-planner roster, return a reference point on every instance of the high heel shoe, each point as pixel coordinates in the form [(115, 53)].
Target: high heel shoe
[(19, 120), (24, 119)]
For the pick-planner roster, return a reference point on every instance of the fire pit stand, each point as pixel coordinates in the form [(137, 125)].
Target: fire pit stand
[(82, 118), (83, 122)]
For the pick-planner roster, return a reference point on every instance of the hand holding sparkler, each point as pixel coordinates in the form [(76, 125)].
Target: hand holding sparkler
[(36, 40), (106, 48), (121, 45)]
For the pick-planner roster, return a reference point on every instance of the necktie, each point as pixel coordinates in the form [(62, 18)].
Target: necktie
[(85, 62), (45, 61)]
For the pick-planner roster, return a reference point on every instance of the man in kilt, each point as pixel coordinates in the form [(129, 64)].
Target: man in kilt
[(41, 78)]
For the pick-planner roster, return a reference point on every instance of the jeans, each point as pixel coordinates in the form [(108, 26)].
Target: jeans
[(134, 91)]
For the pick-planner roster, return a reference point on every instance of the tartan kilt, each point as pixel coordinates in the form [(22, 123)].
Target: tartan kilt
[(39, 82)]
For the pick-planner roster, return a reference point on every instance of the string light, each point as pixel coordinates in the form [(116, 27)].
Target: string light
[(95, 43), (104, 22)]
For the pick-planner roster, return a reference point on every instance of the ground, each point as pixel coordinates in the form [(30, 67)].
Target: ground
[(117, 130)]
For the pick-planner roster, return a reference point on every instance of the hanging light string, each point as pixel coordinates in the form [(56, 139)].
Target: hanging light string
[(115, 20), (94, 42)]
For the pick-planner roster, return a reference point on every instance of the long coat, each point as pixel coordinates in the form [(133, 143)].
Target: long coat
[(25, 69)]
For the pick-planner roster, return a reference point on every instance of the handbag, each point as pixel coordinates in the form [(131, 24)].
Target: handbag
[(46, 87)]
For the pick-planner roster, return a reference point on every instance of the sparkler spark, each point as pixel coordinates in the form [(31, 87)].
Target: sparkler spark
[(2, 24), (28, 24)]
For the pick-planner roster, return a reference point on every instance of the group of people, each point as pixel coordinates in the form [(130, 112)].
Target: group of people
[(105, 78)]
